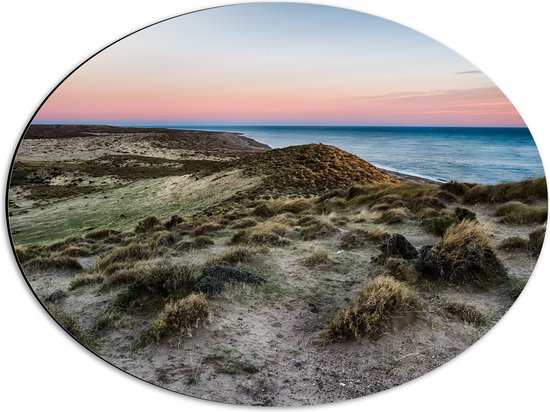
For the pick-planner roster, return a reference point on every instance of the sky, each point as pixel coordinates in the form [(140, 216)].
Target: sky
[(279, 64)]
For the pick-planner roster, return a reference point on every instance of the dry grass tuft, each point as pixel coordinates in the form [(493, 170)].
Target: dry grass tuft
[(525, 191), (374, 311), (158, 279), (354, 239), (264, 233), (464, 256), (513, 243), (60, 263), (400, 269), (317, 230), (206, 228), (23, 254), (317, 258), (76, 251), (244, 223), (149, 224), (536, 240), (129, 253), (176, 318), (84, 280), (101, 234), (466, 312), (517, 213), (392, 216), (234, 256)]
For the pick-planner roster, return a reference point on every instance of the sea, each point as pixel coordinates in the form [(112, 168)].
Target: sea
[(467, 154)]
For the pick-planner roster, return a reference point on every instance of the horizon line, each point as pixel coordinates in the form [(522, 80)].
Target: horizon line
[(168, 125)]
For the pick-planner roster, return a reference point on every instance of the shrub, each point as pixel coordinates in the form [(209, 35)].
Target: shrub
[(165, 238), (76, 251), (464, 255), (158, 279), (525, 191), (536, 240), (177, 317), (518, 213), (307, 220), (89, 279), (462, 213), (244, 223), (356, 238), (148, 224), (129, 253), (375, 307), (332, 205), (294, 206), (101, 234), (465, 312), (515, 286), (205, 228), (513, 243), (400, 269), (317, 230), (119, 278), (456, 188), (60, 263), (317, 258), (214, 278), (23, 254), (391, 216), (437, 225), (379, 234), (172, 222), (234, 256), (425, 200), (265, 233)]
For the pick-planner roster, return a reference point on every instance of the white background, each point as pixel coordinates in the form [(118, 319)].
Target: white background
[(41, 367)]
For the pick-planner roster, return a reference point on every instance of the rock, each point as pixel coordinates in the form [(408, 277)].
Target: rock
[(398, 245)]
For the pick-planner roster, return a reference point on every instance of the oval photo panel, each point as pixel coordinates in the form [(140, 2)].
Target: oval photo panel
[(277, 204)]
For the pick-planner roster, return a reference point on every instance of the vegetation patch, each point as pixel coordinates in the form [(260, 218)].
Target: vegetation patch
[(464, 256), (355, 239), (400, 269), (84, 280), (536, 240), (317, 258), (513, 243), (265, 233), (214, 278), (465, 312), (148, 224), (392, 216), (76, 251), (177, 317), (234, 256), (158, 279), (527, 191), (374, 311), (317, 230), (60, 263), (71, 325), (129, 253), (518, 213)]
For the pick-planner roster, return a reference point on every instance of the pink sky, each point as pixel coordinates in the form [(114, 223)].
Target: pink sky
[(279, 64)]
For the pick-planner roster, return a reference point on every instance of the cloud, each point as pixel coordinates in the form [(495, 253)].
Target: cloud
[(470, 72)]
